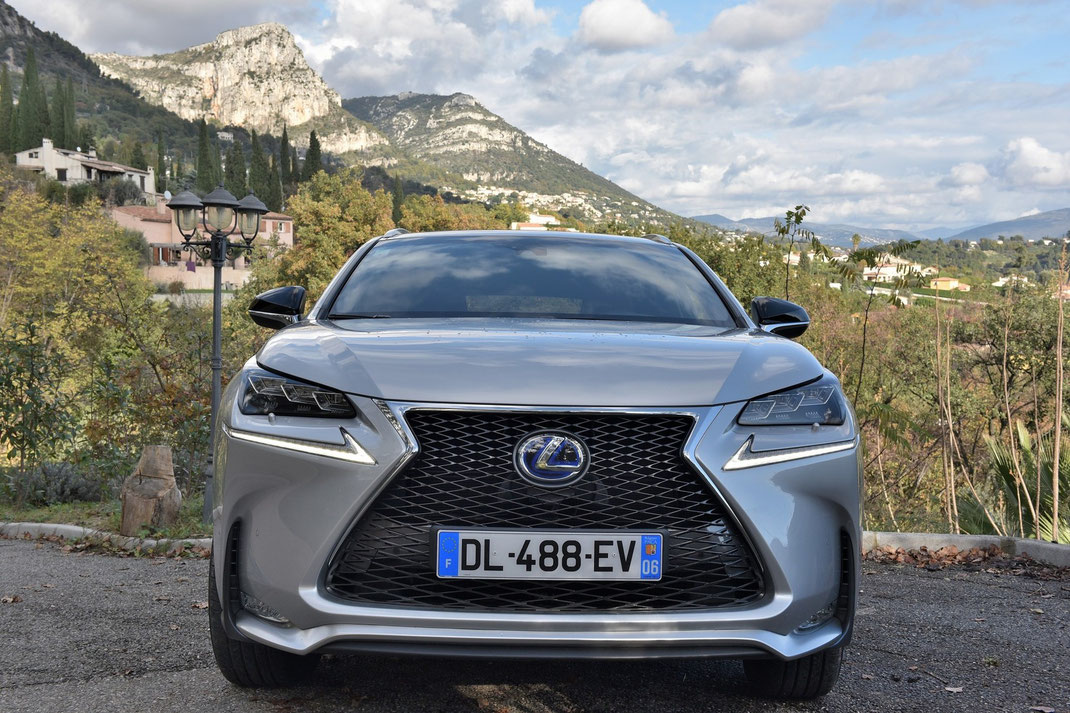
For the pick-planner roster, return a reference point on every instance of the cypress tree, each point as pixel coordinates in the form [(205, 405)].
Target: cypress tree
[(399, 199), (137, 159), (70, 122), (284, 153), (313, 161), (217, 164), (7, 111), (273, 200), (205, 175), (259, 171), (295, 167), (33, 116), (161, 164), (234, 174), (59, 116), (85, 137), (176, 171)]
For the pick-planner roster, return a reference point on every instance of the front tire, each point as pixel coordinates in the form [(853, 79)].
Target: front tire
[(802, 679), (247, 663)]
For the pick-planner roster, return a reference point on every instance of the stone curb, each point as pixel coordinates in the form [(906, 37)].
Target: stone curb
[(1040, 551), (76, 532)]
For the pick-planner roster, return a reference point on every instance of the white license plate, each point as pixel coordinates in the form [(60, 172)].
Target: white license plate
[(561, 554)]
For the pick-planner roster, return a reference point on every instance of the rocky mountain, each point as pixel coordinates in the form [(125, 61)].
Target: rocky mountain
[(255, 77), (1049, 224), (484, 157), (830, 233)]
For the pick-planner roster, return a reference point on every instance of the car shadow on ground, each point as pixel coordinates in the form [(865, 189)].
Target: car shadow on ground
[(390, 683)]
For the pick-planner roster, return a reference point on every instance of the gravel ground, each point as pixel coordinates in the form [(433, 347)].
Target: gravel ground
[(100, 633)]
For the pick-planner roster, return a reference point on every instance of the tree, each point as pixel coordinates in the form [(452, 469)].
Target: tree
[(273, 199), (295, 167), (137, 158), (70, 123), (86, 139), (33, 119), (59, 116), (259, 171), (217, 164), (234, 174), (399, 199), (7, 112), (791, 230), (313, 161), (205, 173), (285, 169), (161, 164)]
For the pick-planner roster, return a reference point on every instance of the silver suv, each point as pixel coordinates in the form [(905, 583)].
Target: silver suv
[(534, 445)]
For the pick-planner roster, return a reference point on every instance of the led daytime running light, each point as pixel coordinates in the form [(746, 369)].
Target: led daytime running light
[(351, 451), (746, 458)]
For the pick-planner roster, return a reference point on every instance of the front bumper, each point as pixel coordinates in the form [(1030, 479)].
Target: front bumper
[(294, 509)]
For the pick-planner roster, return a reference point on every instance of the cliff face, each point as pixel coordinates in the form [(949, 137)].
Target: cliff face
[(255, 77)]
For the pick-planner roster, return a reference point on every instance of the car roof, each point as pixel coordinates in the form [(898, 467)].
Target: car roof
[(399, 234)]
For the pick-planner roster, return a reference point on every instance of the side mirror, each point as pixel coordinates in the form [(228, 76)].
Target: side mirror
[(279, 307), (780, 317)]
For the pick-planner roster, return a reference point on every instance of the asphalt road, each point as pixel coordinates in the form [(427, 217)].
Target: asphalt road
[(100, 633)]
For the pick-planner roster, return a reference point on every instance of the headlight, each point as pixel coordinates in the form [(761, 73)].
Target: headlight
[(818, 403), (263, 393)]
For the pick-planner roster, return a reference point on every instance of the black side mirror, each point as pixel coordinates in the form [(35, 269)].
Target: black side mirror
[(781, 317), (279, 307)]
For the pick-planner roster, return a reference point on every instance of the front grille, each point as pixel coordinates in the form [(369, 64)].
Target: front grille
[(464, 477)]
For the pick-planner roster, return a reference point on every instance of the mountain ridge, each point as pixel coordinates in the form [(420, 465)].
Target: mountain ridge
[(836, 234)]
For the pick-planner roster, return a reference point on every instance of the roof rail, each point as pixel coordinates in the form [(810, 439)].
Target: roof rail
[(394, 232), (659, 237)]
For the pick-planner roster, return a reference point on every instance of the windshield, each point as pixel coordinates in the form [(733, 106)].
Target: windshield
[(522, 276)]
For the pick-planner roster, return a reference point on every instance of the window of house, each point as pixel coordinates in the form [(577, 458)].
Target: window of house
[(142, 182), (61, 174), (88, 172)]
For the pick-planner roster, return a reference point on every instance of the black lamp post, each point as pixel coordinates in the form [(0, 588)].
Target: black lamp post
[(220, 215)]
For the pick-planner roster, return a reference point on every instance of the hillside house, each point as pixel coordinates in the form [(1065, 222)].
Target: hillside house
[(168, 263), (948, 284), (71, 167)]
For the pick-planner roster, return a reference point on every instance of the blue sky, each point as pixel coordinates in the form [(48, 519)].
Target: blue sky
[(893, 113)]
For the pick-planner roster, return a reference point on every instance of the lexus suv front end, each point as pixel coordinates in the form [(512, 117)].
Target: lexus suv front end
[(552, 445)]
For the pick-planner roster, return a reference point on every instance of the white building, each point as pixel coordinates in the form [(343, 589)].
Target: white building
[(71, 167)]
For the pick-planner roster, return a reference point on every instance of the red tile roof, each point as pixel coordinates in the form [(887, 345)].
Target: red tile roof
[(144, 212)]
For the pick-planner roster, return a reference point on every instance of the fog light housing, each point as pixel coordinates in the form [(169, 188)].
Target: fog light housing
[(261, 610), (817, 619)]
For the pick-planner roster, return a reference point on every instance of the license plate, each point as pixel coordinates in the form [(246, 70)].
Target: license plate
[(562, 554)]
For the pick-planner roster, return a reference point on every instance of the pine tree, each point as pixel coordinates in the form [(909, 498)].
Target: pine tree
[(399, 199), (285, 170), (70, 123), (161, 164), (58, 116), (205, 174), (259, 171), (234, 175), (313, 162), (137, 158), (7, 111), (273, 199)]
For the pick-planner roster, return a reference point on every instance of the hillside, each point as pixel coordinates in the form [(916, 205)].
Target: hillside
[(830, 233), (254, 77), (111, 107), (489, 157), (1050, 224)]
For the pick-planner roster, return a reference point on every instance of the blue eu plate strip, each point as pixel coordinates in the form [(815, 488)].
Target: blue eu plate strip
[(448, 553), (650, 557)]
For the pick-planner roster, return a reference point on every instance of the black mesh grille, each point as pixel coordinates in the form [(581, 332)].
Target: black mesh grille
[(464, 477)]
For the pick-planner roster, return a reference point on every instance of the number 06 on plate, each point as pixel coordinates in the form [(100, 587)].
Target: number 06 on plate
[(546, 555)]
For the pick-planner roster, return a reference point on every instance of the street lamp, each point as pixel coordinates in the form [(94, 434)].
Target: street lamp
[(220, 215)]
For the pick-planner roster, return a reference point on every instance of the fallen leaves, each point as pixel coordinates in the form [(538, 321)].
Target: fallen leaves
[(953, 689), (1042, 709), (199, 605), (12, 599), (989, 559)]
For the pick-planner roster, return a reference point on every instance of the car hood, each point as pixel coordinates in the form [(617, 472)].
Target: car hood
[(539, 362)]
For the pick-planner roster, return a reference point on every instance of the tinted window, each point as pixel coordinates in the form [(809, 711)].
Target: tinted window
[(547, 276)]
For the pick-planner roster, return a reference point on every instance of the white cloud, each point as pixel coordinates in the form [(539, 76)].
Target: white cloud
[(767, 23), (615, 25), (1027, 163), (969, 174)]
